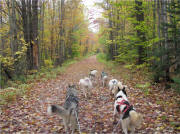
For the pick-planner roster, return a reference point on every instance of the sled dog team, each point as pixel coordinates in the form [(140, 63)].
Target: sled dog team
[(128, 117)]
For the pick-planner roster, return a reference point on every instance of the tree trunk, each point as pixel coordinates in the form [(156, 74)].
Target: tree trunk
[(41, 40), (154, 19), (111, 32), (1, 46), (27, 16), (35, 45), (13, 27), (1, 36), (62, 43), (165, 58), (159, 20), (29, 12), (140, 34)]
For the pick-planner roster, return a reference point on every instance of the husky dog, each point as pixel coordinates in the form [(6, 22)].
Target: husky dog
[(92, 74), (117, 88), (71, 91), (104, 78), (113, 85), (85, 84), (129, 117), (69, 112)]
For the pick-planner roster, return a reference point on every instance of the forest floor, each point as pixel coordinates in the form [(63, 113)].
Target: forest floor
[(29, 113)]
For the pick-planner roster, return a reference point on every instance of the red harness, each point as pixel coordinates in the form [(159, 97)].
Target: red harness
[(123, 102)]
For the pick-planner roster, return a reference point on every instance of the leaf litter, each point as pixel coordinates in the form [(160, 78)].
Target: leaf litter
[(28, 114)]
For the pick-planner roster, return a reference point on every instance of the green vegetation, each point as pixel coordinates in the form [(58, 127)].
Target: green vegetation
[(127, 72), (103, 58), (143, 35), (176, 84), (144, 87), (10, 94), (21, 85)]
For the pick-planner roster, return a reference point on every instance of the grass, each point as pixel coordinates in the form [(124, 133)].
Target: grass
[(111, 65), (144, 87), (22, 85), (101, 57), (10, 94)]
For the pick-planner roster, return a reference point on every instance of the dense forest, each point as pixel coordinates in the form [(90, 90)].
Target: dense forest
[(144, 34), (41, 33)]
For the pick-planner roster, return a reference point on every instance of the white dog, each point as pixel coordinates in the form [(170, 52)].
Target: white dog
[(85, 84), (93, 74), (128, 116), (113, 84)]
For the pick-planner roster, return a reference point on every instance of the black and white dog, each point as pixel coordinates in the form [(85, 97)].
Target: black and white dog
[(130, 119)]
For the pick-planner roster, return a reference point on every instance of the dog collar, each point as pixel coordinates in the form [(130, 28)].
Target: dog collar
[(118, 97)]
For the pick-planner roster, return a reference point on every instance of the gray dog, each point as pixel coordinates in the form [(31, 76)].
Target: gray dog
[(104, 78), (69, 112)]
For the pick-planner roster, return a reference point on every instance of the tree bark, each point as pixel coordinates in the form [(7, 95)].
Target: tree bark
[(165, 58), (140, 34), (13, 27), (62, 43), (35, 45), (111, 31)]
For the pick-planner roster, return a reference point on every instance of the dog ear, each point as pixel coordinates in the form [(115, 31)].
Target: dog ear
[(124, 91)]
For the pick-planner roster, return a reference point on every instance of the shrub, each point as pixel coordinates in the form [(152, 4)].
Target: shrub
[(48, 63), (10, 94), (75, 50), (176, 84)]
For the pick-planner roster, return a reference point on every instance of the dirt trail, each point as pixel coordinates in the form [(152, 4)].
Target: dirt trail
[(28, 114)]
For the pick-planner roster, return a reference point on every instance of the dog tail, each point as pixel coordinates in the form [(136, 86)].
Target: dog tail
[(136, 118), (54, 109)]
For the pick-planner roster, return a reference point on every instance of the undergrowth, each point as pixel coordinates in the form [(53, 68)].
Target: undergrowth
[(101, 57), (140, 76), (19, 86), (127, 72)]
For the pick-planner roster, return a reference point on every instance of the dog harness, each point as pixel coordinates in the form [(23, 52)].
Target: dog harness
[(126, 109)]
